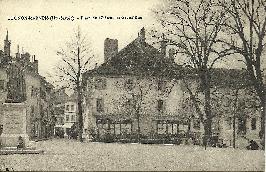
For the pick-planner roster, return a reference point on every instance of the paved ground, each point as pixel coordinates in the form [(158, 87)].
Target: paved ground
[(72, 155)]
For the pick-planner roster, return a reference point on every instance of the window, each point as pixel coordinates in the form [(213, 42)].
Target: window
[(1, 129), (32, 91), (161, 128), (100, 83), (160, 105), (229, 123), (67, 107), (118, 128), (32, 111), (99, 105), (126, 128), (72, 107), (129, 84), (67, 118), (161, 85), (42, 94), (73, 118), (196, 124), (242, 125), (2, 85), (253, 123), (167, 127)]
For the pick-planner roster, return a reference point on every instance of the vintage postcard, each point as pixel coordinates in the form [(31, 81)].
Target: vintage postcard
[(132, 85)]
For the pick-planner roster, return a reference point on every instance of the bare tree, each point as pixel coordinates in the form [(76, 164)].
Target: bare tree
[(193, 28), (76, 58), (139, 96), (247, 27)]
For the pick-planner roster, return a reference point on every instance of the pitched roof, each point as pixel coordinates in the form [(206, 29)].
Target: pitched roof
[(140, 59), (235, 78)]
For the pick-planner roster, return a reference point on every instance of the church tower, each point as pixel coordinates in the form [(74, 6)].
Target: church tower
[(7, 44)]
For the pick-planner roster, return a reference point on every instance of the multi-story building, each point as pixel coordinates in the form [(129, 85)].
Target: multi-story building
[(22, 83), (135, 89), (141, 89), (60, 98), (70, 113)]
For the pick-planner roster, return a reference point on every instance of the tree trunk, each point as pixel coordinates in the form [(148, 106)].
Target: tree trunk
[(234, 131), (138, 128), (234, 117), (79, 90), (80, 117), (262, 130), (208, 131), (205, 78)]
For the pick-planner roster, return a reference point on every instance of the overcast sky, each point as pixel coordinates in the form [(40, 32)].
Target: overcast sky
[(43, 38)]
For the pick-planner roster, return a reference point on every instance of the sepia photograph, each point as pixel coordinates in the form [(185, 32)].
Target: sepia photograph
[(132, 85)]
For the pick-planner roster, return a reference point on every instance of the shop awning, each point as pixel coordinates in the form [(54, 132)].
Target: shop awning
[(67, 125)]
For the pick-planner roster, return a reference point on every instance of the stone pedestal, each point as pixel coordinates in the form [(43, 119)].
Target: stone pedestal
[(14, 124)]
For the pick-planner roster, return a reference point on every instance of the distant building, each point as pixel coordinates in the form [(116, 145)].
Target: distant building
[(142, 88), (60, 98), (70, 113), (21, 82)]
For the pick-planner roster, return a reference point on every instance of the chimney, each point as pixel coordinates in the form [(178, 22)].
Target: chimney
[(110, 48), (17, 54), (35, 64), (25, 57), (163, 46), (141, 35), (171, 54)]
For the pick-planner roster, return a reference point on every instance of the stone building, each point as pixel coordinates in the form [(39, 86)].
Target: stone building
[(60, 98), (22, 83), (137, 88), (141, 89), (70, 114)]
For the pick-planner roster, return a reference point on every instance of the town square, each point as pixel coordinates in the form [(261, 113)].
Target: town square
[(171, 85)]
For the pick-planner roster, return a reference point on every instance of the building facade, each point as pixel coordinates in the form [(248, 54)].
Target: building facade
[(135, 91), (140, 89), (60, 98), (70, 116), (22, 83)]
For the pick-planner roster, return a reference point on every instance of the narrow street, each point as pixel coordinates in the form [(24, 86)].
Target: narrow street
[(66, 155)]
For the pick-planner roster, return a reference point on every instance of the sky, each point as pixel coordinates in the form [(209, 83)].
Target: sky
[(44, 38)]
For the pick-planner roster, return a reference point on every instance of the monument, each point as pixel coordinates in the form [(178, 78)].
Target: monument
[(14, 124)]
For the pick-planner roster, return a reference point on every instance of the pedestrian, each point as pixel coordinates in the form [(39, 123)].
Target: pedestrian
[(21, 143), (253, 145)]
